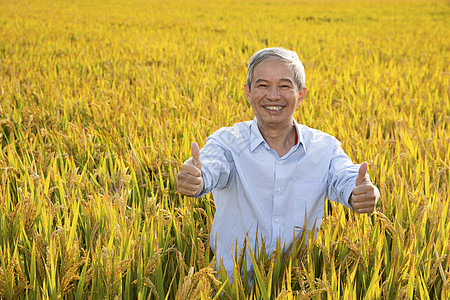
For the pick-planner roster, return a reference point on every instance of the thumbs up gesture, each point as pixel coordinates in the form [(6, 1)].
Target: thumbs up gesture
[(190, 179), (365, 195)]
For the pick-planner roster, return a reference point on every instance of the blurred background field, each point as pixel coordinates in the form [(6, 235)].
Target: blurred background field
[(100, 100)]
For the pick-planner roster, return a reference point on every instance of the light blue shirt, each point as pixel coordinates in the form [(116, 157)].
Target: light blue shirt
[(256, 190)]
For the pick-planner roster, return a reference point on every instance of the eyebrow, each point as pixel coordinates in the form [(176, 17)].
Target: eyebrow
[(259, 80), (282, 79), (287, 79)]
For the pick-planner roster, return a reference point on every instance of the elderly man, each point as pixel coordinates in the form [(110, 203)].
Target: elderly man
[(269, 174)]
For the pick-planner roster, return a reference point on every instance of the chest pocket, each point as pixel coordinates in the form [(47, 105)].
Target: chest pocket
[(308, 204)]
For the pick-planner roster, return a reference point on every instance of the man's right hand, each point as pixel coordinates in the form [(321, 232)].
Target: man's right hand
[(190, 179), (365, 195)]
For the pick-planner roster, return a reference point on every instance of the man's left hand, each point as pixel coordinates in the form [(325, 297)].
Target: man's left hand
[(365, 195)]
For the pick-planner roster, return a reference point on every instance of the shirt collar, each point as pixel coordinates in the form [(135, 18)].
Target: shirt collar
[(256, 137), (300, 136)]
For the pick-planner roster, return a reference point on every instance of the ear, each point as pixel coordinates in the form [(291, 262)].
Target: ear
[(247, 91), (302, 95)]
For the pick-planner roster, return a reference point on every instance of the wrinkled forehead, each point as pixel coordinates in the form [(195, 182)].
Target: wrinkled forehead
[(273, 68)]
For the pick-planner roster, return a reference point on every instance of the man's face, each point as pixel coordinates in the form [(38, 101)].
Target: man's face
[(274, 95)]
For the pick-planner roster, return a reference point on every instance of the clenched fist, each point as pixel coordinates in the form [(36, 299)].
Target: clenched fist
[(190, 179), (365, 195)]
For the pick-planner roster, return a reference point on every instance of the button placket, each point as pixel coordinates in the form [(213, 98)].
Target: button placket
[(276, 213)]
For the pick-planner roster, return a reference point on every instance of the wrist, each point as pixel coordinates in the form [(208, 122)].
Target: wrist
[(350, 201), (200, 188)]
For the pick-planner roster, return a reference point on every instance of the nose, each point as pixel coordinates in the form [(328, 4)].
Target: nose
[(273, 93)]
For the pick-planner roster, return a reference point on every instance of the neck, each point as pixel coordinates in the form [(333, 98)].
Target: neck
[(280, 138)]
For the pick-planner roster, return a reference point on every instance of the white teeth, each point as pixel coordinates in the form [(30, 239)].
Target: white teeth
[(276, 108)]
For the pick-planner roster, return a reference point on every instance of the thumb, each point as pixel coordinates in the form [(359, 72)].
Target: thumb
[(361, 174), (195, 150)]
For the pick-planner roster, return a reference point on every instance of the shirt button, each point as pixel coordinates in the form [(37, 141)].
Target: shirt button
[(279, 162), (276, 220), (278, 189)]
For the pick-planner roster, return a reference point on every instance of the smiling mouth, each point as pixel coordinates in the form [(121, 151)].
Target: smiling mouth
[(273, 107)]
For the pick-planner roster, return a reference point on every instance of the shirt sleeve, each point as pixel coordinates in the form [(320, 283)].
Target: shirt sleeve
[(217, 166), (341, 176)]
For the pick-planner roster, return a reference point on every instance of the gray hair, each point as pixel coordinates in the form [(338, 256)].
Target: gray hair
[(278, 53)]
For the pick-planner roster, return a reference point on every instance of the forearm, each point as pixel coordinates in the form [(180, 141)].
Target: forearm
[(216, 167)]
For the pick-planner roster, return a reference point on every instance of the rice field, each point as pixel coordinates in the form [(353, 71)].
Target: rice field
[(100, 101)]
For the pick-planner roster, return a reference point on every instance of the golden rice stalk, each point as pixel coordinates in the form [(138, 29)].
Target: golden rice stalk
[(151, 285), (7, 123), (202, 281), (113, 269), (72, 261), (153, 262), (24, 212), (320, 288), (437, 265), (14, 274), (3, 287), (200, 253), (188, 285), (41, 254)]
